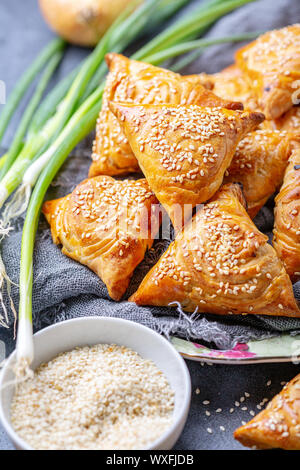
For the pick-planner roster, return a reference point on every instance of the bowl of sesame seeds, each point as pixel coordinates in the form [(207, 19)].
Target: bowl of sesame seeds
[(98, 383)]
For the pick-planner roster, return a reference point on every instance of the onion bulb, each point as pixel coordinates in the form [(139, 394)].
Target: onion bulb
[(81, 22)]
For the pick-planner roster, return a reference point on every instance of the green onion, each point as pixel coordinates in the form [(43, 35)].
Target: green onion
[(25, 121), (49, 105), (25, 81), (24, 340), (80, 124), (164, 11), (19, 171), (33, 171), (128, 29), (2, 160), (94, 102)]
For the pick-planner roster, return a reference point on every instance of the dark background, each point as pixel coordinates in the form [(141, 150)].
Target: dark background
[(23, 34)]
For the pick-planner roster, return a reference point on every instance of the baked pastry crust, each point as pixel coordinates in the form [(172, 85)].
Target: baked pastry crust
[(259, 164), (278, 426), (131, 81), (271, 64), (106, 225), (231, 84), (183, 151), (220, 263), (289, 121), (286, 239)]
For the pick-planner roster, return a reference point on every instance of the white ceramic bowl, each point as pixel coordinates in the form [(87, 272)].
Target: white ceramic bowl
[(85, 331)]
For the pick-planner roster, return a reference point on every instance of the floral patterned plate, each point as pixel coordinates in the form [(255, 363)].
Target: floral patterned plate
[(284, 348)]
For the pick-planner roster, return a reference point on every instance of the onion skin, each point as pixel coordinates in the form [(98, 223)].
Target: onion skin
[(81, 22)]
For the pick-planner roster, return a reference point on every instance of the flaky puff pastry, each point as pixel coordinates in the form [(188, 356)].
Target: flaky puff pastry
[(131, 81), (289, 121), (106, 225), (183, 151), (231, 84), (272, 66), (220, 263), (286, 239), (278, 426), (259, 164)]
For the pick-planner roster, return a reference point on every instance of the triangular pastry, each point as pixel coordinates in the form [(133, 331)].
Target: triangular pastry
[(286, 239), (278, 426), (220, 263), (131, 81), (271, 65), (106, 225), (183, 151), (259, 164)]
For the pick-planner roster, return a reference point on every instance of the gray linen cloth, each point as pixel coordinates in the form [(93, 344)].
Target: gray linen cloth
[(64, 289)]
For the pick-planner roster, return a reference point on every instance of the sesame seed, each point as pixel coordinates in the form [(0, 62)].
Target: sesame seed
[(129, 405)]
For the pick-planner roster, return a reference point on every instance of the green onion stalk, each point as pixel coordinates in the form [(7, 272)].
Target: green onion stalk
[(50, 121), (129, 28), (25, 349), (190, 26), (17, 143), (50, 103)]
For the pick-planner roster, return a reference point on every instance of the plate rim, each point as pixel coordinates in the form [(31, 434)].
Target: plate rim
[(245, 348)]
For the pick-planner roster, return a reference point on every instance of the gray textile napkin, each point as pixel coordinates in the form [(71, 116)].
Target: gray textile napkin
[(64, 289)]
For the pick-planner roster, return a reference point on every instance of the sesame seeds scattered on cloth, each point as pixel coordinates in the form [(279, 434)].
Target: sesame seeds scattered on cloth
[(99, 397)]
